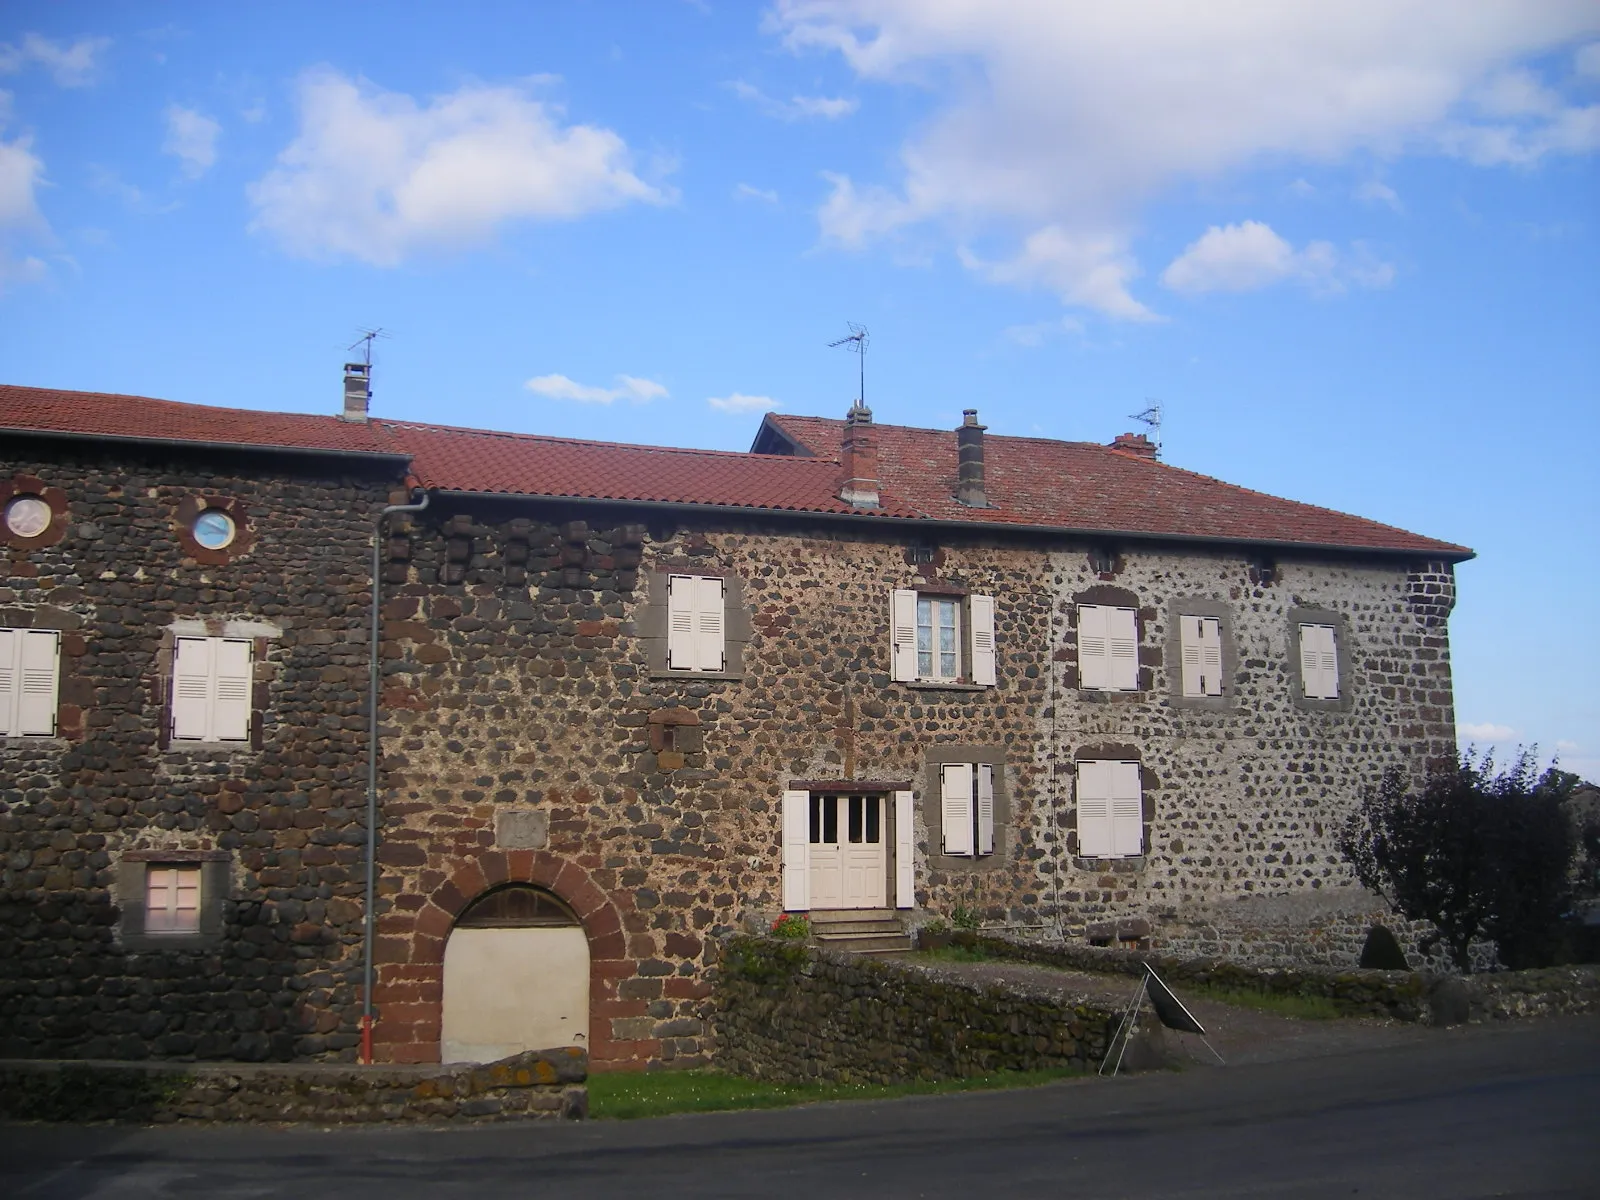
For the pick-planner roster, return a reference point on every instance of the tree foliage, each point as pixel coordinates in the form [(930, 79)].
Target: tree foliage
[(1481, 854)]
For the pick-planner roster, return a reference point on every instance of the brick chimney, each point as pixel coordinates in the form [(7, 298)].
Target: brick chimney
[(969, 460), (1136, 443), (357, 391), (858, 459)]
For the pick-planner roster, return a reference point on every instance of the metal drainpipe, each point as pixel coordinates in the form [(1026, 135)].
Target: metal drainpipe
[(372, 770)]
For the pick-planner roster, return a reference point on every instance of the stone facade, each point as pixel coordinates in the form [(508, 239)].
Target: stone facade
[(532, 732)]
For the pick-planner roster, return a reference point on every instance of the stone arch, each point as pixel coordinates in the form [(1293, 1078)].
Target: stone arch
[(409, 990)]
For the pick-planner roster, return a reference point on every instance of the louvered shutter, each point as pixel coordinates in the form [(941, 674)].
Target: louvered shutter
[(955, 806), (1094, 809), (985, 809), (230, 707), (191, 688), (10, 679), (680, 623), (710, 649), (1319, 662), (1127, 810), (903, 634), (905, 850), (796, 851), (1123, 634), (1190, 637), (36, 697), (1094, 647), (1211, 656), (1329, 663), (981, 613)]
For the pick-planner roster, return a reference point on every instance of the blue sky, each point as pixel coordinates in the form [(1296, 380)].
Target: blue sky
[(1351, 248)]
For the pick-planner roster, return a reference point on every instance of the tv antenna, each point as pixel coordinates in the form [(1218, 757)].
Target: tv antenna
[(857, 341), (1151, 416), (368, 336)]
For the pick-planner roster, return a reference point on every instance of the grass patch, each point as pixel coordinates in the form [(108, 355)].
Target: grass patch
[(954, 954), (1313, 1008), (623, 1096)]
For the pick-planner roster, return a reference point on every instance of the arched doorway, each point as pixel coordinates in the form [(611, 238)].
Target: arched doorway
[(516, 977)]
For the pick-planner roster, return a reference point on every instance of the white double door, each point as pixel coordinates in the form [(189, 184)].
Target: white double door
[(849, 860)]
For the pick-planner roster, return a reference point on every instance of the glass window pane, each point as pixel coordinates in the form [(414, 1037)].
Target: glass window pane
[(830, 820), (816, 819), (856, 819), (874, 809)]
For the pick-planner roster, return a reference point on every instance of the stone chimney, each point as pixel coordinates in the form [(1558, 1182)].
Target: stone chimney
[(858, 459), (1136, 443), (357, 391), (969, 461)]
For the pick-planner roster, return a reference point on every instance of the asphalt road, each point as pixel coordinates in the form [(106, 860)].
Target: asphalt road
[(1503, 1111)]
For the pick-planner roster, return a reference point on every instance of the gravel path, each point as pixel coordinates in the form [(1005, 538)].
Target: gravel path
[(1241, 1035)]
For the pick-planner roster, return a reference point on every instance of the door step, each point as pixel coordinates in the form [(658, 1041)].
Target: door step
[(860, 930)]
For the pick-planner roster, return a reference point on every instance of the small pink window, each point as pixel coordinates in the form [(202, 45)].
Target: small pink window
[(172, 900)]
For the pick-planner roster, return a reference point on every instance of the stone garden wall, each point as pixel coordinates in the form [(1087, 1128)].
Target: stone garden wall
[(785, 1011), (541, 1083)]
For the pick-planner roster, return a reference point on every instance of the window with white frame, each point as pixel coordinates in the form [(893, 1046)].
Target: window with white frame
[(1319, 662), (1200, 641), (29, 671), (211, 687), (940, 638), (1108, 648), (1110, 809), (966, 809), (171, 899), (696, 625)]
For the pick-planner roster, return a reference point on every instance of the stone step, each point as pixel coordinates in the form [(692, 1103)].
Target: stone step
[(870, 943), (831, 916), (846, 928)]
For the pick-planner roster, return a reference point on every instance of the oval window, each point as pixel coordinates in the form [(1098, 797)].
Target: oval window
[(214, 529), (28, 516)]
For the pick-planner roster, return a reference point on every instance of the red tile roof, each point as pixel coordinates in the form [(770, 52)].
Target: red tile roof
[(1080, 486), (1090, 487)]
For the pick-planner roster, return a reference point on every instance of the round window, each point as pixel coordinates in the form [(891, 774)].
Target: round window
[(28, 516), (214, 529)]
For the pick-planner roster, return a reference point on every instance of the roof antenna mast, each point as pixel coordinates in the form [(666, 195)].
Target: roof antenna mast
[(857, 341), (368, 336), (1151, 416)]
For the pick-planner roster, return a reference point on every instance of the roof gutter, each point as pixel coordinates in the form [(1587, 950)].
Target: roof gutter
[(1455, 555), (259, 448)]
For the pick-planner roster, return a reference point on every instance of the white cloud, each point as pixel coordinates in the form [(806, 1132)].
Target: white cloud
[(191, 139), (1485, 731), (1069, 115), (1039, 332), (21, 222), (1092, 271), (738, 402), (629, 387), (1251, 255), (744, 191), (376, 176), (1300, 189), (69, 66), (795, 108), (1586, 62), (1375, 191)]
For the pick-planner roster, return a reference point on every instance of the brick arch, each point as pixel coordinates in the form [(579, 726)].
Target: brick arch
[(409, 990)]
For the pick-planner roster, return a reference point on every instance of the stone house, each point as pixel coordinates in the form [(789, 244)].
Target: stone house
[(631, 697)]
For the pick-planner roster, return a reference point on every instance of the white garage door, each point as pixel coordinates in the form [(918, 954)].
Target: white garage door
[(516, 977)]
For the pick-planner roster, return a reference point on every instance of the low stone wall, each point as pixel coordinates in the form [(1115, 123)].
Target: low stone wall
[(1545, 992), (786, 1011), (540, 1083)]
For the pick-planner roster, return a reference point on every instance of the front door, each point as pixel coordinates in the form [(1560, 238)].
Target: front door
[(849, 866)]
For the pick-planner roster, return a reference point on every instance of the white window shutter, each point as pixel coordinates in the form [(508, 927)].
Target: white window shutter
[(10, 679), (710, 649), (1190, 638), (191, 688), (1310, 663), (680, 623), (955, 807), (36, 697), (1127, 810), (905, 850), (903, 634), (230, 708), (1094, 647), (1211, 656), (985, 809), (1123, 631), (1094, 809), (1329, 664), (796, 851), (981, 614)]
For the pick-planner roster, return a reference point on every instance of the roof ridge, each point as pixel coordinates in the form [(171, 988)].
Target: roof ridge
[(742, 455)]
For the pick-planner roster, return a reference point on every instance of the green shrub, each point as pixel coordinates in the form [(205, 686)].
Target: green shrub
[(791, 925)]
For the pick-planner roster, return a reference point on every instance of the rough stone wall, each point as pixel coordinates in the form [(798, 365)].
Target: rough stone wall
[(788, 1013), (1243, 798), (286, 808)]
